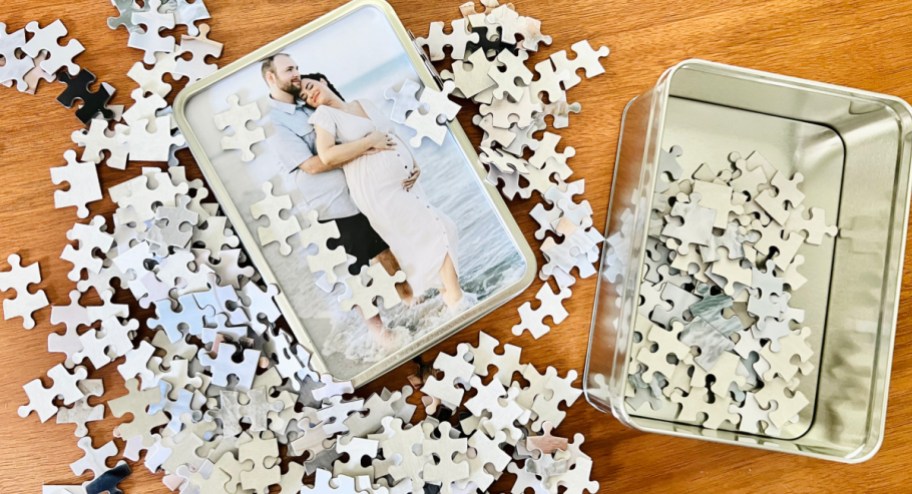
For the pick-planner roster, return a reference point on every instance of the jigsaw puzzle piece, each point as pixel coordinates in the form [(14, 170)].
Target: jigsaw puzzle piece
[(505, 163), (93, 102), (150, 80), (586, 58), (65, 387), (237, 118), (224, 365), (696, 403), (372, 283), (404, 100), (109, 480), (93, 459), (550, 304), (19, 278), (46, 39), (279, 229), (471, 76), (510, 75), (98, 139), (186, 13), (199, 47), (82, 178), (126, 9), (815, 225), (149, 38), (431, 123), (15, 68), (325, 260), (457, 39), (787, 192)]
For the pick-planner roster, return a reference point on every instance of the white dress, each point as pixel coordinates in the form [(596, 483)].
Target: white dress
[(419, 235)]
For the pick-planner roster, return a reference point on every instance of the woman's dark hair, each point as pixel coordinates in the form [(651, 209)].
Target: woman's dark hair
[(316, 76)]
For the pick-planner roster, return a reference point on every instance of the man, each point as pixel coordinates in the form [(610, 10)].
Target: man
[(323, 187)]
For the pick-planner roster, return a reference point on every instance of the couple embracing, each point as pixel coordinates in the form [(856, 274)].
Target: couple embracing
[(351, 167)]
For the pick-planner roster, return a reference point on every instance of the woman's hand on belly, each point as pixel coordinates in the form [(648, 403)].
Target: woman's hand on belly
[(381, 142), (412, 179)]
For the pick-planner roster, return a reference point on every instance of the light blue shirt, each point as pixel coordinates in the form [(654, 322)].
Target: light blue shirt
[(294, 142)]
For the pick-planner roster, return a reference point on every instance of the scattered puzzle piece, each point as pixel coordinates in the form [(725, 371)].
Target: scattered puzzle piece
[(199, 47), (428, 123), (237, 118), (586, 58), (550, 304), (82, 178), (149, 38), (279, 229), (46, 39), (457, 39), (19, 278), (404, 100), (15, 68), (372, 283), (93, 102)]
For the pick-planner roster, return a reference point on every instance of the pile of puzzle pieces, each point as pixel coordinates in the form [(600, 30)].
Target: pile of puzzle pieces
[(216, 390), (489, 52), (716, 342), (146, 131), (220, 397), (35, 53)]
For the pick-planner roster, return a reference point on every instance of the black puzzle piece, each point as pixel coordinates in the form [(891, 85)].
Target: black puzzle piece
[(108, 481), (93, 102), (487, 44)]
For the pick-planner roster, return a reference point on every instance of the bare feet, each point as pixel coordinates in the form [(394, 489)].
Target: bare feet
[(452, 299), (380, 333), (451, 292), (391, 265)]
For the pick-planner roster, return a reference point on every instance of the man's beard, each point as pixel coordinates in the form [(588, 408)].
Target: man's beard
[(292, 88)]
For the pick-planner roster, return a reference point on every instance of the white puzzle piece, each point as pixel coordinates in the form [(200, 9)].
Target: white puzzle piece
[(19, 278), (236, 118)]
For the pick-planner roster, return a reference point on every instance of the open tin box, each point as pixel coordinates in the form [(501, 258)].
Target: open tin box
[(853, 148)]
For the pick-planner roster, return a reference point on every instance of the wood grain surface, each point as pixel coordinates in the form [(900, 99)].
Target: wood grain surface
[(865, 44)]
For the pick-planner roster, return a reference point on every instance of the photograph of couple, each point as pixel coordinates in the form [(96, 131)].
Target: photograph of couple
[(352, 168), (331, 148)]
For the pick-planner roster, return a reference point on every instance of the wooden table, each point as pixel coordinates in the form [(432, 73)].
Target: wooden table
[(860, 44)]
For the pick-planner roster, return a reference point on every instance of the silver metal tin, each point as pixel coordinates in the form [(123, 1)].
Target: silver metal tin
[(428, 77), (853, 148)]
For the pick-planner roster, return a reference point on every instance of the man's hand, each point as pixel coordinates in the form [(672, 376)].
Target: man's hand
[(408, 183)]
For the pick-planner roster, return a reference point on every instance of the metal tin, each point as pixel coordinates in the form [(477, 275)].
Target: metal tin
[(853, 148), (526, 265)]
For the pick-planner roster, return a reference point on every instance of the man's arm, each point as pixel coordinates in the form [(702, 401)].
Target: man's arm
[(315, 165), (331, 155), (294, 151), (298, 152)]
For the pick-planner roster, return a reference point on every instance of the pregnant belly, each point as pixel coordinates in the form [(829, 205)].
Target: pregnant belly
[(386, 168)]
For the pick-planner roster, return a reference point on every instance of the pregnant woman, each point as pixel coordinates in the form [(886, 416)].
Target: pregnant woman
[(422, 238)]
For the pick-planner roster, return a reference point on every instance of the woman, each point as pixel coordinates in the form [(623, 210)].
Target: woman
[(422, 238)]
